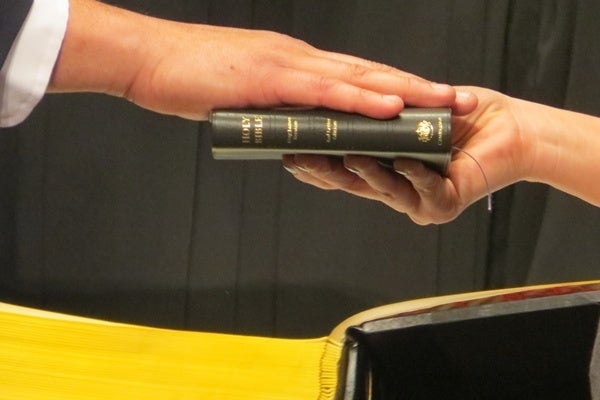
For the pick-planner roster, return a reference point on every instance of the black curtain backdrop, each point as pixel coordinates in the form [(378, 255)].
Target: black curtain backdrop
[(111, 211)]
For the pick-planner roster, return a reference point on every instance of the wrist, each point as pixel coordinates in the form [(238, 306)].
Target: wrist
[(539, 145), (101, 51), (563, 150)]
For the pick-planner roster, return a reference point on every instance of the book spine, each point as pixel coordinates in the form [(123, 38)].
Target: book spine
[(419, 133)]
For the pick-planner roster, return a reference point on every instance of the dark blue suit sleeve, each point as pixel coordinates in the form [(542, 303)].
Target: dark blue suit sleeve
[(12, 15)]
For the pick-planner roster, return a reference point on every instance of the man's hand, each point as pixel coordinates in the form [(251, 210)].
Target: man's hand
[(189, 70)]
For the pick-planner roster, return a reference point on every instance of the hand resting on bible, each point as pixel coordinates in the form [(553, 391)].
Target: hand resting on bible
[(190, 69)]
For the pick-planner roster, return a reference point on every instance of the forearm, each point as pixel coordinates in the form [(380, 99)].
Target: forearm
[(564, 149)]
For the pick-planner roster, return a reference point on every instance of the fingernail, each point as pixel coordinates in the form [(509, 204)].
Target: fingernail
[(463, 95), (440, 86), (387, 164), (391, 98), (291, 170), (353, 170), (401, 172), (303, 169)]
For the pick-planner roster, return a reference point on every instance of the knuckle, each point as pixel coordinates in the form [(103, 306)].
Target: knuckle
[(408, 84), (359, 72), (325, 84), (388, 196), (426, 187), (420, 220), (323, 89), (384, 68)]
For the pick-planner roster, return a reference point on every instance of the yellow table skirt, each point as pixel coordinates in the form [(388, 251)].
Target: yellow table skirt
[(47, 356)]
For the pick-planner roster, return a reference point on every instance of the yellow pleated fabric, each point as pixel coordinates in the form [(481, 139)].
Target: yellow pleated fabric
[(51, 356)]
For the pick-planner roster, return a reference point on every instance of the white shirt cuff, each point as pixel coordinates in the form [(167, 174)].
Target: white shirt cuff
[(26, 72)]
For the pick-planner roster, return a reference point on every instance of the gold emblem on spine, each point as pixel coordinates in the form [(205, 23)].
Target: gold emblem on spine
[(424, 131)]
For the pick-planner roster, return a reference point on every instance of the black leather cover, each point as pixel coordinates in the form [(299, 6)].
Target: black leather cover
[(529, 349)]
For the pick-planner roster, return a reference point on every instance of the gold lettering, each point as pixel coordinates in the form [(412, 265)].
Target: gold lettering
[(246, 125), (296, 129), (334, 130), (289, 129), (292, 130), (440, 131), (331, 126), (258, 129)]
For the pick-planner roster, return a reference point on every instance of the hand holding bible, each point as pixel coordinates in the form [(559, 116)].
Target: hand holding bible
[(508, 139)]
